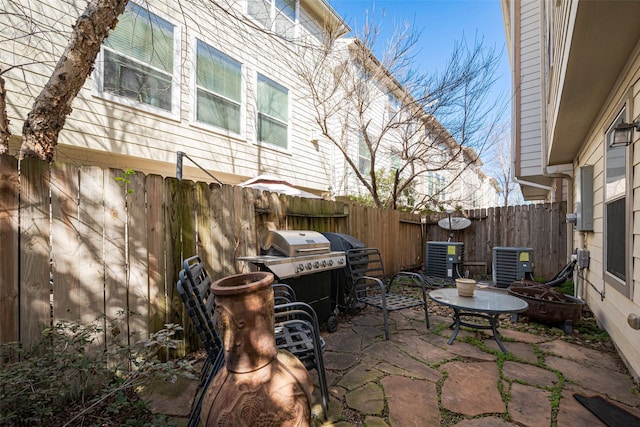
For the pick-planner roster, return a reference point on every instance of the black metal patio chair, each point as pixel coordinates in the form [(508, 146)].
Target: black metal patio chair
[(371, 286), (297, 330), (194, 288)]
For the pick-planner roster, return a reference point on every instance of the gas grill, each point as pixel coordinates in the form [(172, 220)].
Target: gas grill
[(304, 260)]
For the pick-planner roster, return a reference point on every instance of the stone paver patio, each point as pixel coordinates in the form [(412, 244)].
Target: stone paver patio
[(417, 379)]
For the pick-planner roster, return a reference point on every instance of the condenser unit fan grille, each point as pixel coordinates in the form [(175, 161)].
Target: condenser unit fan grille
[(441, 259), (511, 264)]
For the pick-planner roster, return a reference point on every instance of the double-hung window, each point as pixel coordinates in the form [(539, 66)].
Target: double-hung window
[(279, 16), (273, 113), (615, 211), (436, 186), (138, 62), (364, 156), (218, 89), (393, 108)]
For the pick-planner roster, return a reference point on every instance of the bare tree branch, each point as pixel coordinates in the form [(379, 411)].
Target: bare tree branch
[(406, 117), (5, 134), (53, 104)]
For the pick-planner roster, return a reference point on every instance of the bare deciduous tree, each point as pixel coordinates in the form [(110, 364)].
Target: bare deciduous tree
[(53, 104), (388, 114), (5, 134), (502, 167)]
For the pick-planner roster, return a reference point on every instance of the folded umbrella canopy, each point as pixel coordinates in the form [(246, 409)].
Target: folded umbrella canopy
[(277, 185)]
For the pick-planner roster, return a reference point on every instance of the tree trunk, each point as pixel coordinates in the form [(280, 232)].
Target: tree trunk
[(53, 105), (4, 120)]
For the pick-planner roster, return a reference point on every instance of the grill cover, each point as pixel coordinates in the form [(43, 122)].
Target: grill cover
[(293, 243)]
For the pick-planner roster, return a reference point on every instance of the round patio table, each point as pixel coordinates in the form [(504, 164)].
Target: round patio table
[(483, 305)]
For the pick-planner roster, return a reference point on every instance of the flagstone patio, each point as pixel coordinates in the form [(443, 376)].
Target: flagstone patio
[(416, 378)]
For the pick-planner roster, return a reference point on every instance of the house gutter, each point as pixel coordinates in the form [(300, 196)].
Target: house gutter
[(550, 189), (516, 37)]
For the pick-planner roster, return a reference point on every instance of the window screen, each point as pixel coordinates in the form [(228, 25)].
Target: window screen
[(219, 88), (273, 112), (138, 58)]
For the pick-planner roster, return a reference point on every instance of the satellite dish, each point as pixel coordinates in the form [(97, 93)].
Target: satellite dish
[(457, 223)]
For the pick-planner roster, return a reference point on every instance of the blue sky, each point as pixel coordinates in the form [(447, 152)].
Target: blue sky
[(442, 23)]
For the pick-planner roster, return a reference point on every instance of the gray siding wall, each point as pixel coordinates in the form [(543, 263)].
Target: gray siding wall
[(530, 90)]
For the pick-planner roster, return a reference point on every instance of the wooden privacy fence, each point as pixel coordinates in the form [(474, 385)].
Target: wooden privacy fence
[(78, 243), (542, 227)]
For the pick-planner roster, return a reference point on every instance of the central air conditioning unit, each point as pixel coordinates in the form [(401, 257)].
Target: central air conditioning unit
[(443, 259), (511, 264)]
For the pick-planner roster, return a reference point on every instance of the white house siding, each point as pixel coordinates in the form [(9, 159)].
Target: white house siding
[(613, 310), (610, 306), (109, 133), (560, 23), (530, 90)]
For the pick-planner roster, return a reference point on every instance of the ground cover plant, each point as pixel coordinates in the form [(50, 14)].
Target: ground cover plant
[(68, 380)]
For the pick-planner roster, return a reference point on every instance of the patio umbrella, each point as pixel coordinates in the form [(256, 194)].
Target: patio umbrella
[(277, 185)]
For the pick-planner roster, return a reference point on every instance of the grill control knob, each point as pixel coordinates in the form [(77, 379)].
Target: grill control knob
[(299, 268), (324, 263), (316, 264), (330, 262), (341, 261), (309, 266)]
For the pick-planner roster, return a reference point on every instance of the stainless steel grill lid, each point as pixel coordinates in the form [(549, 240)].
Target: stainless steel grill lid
[(292, 253), (293, 243)]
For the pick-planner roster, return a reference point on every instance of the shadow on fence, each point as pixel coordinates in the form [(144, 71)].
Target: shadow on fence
[(78, 243)]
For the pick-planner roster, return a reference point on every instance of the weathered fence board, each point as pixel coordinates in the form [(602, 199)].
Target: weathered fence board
[(91, 236), (35, 228), (9, 238), (69, 298), (118, 240), (155, 251), (137, 258), (115, 284)]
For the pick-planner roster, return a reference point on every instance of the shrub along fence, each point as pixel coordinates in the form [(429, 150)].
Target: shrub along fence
[(79, 243)]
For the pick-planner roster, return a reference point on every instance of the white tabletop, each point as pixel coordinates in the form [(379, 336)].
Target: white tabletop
[(481, 301)]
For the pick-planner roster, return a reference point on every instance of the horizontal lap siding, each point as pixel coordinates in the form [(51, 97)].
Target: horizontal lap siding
[(109, 127), (530, 91)]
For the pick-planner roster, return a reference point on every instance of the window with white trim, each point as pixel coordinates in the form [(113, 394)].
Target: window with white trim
[(364, 156), (273, 113), (138, 58), (218, 89), (279, 16), (615, 211), (436, 186), (393, 107)]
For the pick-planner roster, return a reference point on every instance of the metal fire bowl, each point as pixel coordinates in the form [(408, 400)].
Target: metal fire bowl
[(546, 303)]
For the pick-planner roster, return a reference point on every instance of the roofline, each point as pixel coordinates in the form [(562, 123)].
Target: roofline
[(320, 6)]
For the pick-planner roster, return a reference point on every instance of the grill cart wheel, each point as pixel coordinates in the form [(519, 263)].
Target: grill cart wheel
[(332, 324)]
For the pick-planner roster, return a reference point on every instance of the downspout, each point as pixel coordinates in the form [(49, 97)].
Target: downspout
[(564, 171)]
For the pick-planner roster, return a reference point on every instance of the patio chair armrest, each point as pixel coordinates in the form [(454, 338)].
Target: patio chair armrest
[(283, 293), (297, 309), (368, 282), (299, 313), (415, 279)]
